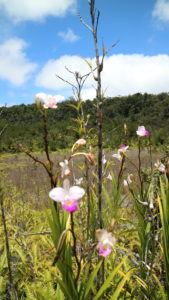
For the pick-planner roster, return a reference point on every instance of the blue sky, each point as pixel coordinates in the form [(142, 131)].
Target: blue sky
[(39, 38)]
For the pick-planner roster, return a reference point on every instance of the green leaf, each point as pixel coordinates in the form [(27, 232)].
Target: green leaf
[(121, 284), (91, 279), (107, 282)]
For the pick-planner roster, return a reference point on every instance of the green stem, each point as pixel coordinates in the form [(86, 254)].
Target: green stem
[(75, 249)]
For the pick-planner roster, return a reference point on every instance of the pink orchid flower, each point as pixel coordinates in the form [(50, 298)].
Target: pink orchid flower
[(106, 241), (141, 131), (50, 101), (67, 196)]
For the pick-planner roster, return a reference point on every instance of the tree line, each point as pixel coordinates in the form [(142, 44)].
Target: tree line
[(23, 124)]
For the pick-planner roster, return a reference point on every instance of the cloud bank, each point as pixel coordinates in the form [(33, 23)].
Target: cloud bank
[(161, 10), (122, 74), (14, 65), (35, 10)]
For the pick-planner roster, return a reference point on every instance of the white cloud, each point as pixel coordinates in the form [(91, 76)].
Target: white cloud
[(47, 77), (35, 10), (68, 36), (122, 74), (14, 66), (161, 10)]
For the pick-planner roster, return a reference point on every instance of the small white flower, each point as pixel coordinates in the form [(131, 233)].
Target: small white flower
[(118, 156), (121, 152), (78, 180), (109, 176), (160, 166), (128, 181), (65, 169), (104, 161)]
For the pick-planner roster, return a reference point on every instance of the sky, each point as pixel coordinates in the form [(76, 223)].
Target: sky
[(38, 39)]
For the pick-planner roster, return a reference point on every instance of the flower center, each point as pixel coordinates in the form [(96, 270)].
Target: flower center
[(68, 202)]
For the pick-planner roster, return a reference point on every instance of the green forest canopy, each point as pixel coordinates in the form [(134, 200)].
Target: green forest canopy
[(24, 124)]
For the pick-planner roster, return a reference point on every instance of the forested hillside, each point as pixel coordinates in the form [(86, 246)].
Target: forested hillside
[(24, 125)]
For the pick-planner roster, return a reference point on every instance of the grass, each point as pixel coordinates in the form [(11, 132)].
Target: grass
[(133, 271)]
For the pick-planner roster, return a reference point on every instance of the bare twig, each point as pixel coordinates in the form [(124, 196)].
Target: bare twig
[(35, 159), (83, 22)]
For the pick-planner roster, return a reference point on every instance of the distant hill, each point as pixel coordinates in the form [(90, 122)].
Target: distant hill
[(24, 124)]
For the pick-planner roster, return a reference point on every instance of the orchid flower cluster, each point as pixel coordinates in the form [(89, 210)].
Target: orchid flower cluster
[(69, 196)]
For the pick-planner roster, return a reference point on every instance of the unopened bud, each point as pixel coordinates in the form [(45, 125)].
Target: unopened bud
[(125, 128), (80, 142)]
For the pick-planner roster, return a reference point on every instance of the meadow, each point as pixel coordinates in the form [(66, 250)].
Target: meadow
[(136, 268)]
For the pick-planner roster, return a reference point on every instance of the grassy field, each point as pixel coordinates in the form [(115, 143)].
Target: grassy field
[(137, 266), (30, 178)]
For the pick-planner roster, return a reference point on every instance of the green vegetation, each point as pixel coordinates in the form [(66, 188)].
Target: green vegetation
[(24, 124)]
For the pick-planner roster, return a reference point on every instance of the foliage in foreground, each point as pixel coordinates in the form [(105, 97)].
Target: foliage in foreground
[(136, 269)]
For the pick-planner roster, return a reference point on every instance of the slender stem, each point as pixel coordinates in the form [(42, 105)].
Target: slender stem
[(99, 98), (75, 249), (150, 152), (99, 107), (46, 136), (88, 199), (139, 167), (132, 163), (121, 171)]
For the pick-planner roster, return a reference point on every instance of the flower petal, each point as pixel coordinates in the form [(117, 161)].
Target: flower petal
[(70, 206), (76, 192), (57, 194), (105, 251)]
